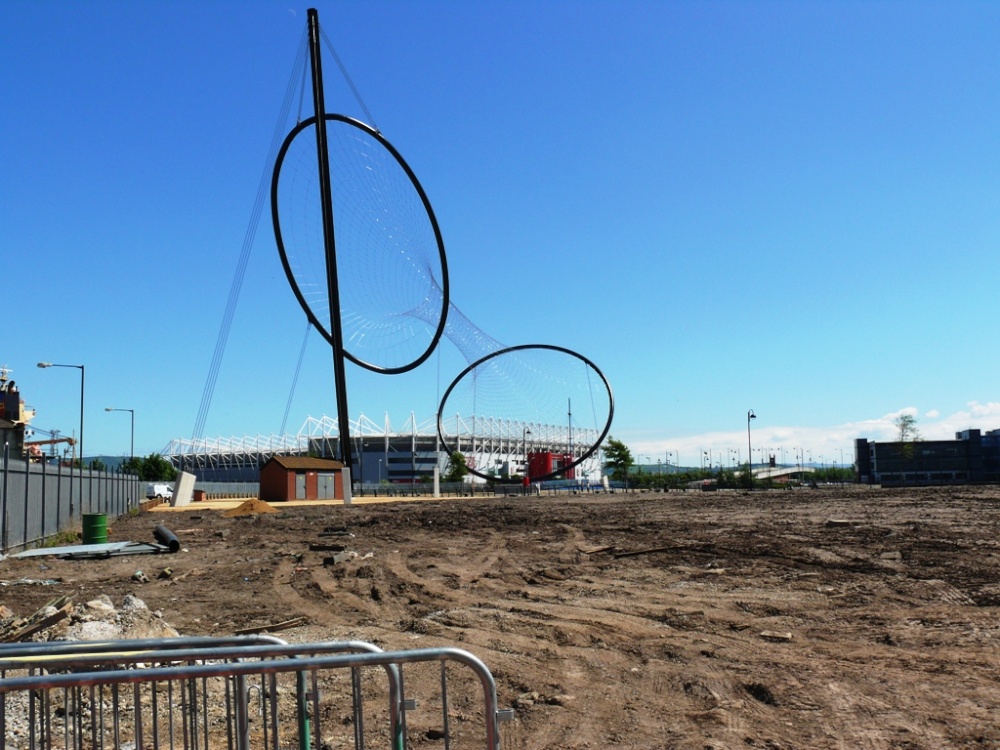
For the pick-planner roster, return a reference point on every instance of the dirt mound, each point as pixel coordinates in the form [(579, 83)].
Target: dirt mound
[(252, 507)]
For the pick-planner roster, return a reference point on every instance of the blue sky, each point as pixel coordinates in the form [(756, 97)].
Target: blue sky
[(790, 207)]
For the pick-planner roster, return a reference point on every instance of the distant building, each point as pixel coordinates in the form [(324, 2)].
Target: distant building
[(972, 457), (382, 455)]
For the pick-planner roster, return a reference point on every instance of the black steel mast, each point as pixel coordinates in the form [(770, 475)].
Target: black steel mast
[(333, 289)]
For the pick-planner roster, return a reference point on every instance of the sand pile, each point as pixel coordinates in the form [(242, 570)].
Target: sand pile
[(251, 507)]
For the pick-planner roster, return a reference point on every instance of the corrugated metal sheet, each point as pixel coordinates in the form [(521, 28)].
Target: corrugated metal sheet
[(109, 549)]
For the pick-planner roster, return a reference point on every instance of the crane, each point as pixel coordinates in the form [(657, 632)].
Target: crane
[(32, 446)]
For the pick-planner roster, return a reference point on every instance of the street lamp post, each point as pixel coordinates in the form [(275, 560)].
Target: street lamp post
[(527, 464), (131, 453), (44, 365), (750, 415)]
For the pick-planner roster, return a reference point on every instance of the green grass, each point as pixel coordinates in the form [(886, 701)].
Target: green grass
[(62, 538)]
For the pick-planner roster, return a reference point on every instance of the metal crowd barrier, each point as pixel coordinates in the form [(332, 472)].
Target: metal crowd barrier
[(241, 693)]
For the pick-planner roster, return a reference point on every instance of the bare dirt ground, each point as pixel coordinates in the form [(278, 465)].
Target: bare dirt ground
[(827, 618)]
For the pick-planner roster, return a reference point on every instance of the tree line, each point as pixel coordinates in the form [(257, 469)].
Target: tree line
[(152, 468), (619, 463)]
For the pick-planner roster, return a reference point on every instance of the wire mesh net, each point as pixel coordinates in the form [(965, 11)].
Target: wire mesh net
[(390, 259), (537, 387)]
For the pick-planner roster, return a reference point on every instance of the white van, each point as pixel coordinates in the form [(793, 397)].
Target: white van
[(159, 490)]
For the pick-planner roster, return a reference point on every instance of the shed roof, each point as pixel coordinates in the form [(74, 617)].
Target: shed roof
[(306, 463)]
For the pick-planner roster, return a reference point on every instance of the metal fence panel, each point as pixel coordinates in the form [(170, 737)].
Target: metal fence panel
[(40, 500), (204, 693)]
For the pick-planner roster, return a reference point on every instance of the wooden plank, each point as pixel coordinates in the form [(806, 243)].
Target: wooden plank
[(777, 637), (293, 623), (38, 622), (595, 550), (650, 551)]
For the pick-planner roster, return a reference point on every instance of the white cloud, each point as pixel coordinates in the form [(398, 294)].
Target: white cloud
[(826, 444), (978, 416)]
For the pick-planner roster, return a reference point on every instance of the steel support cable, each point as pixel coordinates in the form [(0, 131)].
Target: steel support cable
[(593, 408), (354, 89), (295, 378), (251, 232)]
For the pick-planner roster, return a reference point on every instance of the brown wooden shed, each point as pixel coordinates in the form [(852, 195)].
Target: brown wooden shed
[(301, 478)]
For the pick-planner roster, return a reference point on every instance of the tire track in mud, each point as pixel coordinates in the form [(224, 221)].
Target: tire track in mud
[(444, 571), (715, 705), (484, 601), (325, 604)]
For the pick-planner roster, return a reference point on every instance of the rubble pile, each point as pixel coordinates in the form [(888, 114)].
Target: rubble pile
[(96, 620)]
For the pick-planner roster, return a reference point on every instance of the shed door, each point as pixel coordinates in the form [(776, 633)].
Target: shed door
[(300, 486), (327, 486)]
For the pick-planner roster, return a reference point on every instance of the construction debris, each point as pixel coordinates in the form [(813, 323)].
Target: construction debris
[(335, 531), (293, 623), (30, 582), (110, 549), (96, 620), (21, 628), (595, 550), (339, 558), (775, 636), (167, 538), (650, 551)]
